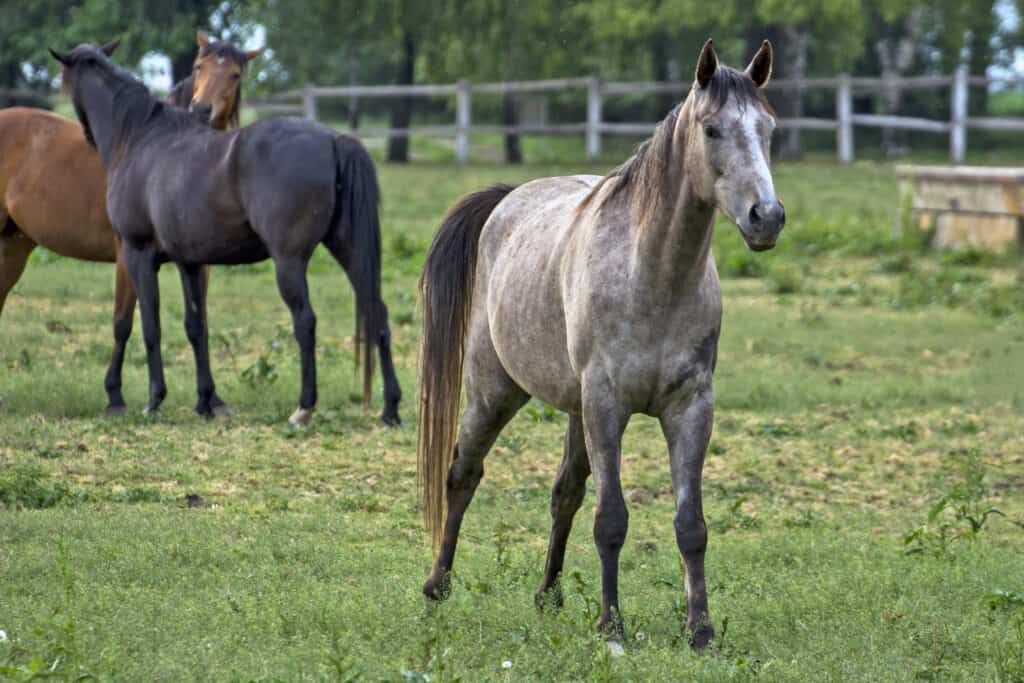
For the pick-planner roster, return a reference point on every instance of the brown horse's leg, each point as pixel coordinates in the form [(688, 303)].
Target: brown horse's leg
[(483, 420), (566, 498), (15, 248), (124, 315), (604, 421), (687, 429)]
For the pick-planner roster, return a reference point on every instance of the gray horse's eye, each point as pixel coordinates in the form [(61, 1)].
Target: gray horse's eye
[(712, 131)]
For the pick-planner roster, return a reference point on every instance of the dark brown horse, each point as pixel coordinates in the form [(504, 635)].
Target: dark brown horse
[(53, 187), (183, 192)]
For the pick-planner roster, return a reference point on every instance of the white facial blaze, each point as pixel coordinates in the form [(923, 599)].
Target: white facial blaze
[(759, 164)]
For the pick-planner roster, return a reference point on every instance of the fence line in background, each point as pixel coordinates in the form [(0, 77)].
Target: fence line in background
[(303, 101)]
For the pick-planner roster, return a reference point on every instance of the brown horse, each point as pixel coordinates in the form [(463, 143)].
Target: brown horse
[(53, 187)]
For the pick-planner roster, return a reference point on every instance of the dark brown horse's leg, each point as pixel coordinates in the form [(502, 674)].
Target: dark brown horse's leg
[(124, 314), (566, 498), (142, 265), (193, 286), (392, 390), (603, 425), (481, 424), (291, 282), (15, 248), (687, 429)]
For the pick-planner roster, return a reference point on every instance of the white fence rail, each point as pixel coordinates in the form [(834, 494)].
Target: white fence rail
[(304, 102)]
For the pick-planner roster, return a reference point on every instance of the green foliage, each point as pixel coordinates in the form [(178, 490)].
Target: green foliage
[(27, 486)]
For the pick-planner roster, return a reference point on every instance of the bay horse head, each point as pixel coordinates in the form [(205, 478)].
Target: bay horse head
[(217, 80), (728, 135)]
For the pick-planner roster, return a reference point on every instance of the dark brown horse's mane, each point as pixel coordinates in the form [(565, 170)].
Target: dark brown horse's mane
[(135, 109), (181, 94), (644, 178)]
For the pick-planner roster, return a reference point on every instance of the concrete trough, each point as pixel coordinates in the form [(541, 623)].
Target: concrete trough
[(966, 207)]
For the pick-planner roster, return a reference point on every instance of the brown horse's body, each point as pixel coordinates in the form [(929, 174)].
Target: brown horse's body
[(53, 190), (51, 180)]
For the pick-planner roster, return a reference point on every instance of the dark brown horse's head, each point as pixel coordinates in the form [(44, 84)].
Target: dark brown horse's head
[(217, 80), (69, 76)]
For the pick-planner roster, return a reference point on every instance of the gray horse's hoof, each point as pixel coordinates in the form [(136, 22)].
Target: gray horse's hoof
[(301, 417), (148, 410), (701, 638), (117, 411), (615, 648)]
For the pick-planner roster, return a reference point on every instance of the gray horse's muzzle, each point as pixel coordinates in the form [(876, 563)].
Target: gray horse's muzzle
[(763, 225)]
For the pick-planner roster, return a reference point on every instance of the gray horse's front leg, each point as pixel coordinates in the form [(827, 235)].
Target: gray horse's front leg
[(604, 421), (687, 428)]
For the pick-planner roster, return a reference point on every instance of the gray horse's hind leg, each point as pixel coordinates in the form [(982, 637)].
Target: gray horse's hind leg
[(687, 429), (489, 408), (292, 285), (566, 498), (142, 266)]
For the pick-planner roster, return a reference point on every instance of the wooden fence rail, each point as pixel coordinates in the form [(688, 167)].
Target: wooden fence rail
[(303, 102)]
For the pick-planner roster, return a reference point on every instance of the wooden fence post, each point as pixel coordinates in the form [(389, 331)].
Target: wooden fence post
[(593, 119), (463, 116), (958, 124), (309, 102), (844, 119)]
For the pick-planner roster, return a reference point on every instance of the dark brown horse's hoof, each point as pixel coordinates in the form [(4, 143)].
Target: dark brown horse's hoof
[(222, 410), (549, 598), (438, 589), (389, 419), (117, 411), (701, 637)]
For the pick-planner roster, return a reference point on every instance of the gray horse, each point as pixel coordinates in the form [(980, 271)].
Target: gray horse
[(599, 296)]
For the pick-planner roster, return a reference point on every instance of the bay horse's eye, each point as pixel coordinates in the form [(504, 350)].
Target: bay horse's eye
[(712, 131), (197, 68), (235, 77)]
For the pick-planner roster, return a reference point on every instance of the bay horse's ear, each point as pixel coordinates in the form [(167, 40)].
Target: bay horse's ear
[(109, 48), (253, 54), (760, 67), (202, 40), (707, 65), (61, 57)]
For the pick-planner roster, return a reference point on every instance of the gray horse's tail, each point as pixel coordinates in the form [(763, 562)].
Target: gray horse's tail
[(446, 288), (357, 227)]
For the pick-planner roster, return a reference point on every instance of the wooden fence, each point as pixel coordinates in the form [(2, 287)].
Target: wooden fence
[(304, 102)]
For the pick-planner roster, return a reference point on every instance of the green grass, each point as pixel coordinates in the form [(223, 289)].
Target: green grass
[(869, 402)]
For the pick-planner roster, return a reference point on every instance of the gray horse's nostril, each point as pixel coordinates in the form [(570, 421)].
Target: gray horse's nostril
[(755, 214)]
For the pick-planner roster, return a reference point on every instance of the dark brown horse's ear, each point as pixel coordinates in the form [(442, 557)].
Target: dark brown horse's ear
[(253, 54), (760, 67), (202, 40), (707, 65), (109, 48), (61, 57)]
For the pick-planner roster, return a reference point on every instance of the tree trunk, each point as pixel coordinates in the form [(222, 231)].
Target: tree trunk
[(981, 58), (401, 110), (510, 117), (353, 103), (896, 55), (181, 65), (794, 54)]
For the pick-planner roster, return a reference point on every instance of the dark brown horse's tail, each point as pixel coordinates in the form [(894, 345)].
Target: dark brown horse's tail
[(446, 288), (357, 224)]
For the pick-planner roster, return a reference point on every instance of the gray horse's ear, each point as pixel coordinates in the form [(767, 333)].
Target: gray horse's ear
[(707, 65), (760, 67), (61, 57), (109, 48)]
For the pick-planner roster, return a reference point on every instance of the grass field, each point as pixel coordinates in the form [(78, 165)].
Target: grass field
[(869, 418)]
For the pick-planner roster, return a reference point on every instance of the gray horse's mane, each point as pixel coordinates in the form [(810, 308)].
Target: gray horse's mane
[(645, 178)]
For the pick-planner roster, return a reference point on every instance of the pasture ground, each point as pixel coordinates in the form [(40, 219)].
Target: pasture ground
[(869, 410)]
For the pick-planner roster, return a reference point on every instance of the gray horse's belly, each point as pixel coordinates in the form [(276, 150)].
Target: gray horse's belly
[(521, 252)]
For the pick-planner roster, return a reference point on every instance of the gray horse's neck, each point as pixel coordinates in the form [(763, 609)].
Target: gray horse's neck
[(98, 104), (673, 248)]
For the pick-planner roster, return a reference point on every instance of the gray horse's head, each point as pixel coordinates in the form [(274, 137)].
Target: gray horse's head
[(730, 126)]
